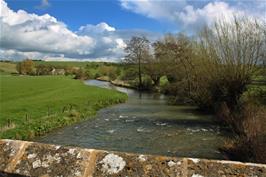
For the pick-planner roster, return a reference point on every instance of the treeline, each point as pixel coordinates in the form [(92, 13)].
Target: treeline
[(31, 67), (213, 70), (79, 70)]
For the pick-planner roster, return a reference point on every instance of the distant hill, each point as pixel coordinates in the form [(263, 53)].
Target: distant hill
[(7, 67)]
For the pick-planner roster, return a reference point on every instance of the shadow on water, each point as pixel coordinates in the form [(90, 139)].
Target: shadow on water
[(145, 124)]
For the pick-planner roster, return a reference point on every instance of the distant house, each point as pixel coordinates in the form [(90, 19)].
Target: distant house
[(58, 71)]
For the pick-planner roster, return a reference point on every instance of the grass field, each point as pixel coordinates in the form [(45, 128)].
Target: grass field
[(7, 68), (33, 105)]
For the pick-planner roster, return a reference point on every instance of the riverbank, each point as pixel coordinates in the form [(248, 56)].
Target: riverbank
[(116, 82), (33, 106)]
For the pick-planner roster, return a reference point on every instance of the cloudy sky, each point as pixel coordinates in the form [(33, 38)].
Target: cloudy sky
[(99, 29)]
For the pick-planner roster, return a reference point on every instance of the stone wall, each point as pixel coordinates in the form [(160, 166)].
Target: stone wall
[(22, 158)]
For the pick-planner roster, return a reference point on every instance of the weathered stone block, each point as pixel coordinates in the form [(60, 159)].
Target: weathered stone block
[(8, 150), (126, 164), (50, 160), (213, 168)]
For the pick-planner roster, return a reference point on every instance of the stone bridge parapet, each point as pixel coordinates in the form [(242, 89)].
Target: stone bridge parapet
[(22, 158)]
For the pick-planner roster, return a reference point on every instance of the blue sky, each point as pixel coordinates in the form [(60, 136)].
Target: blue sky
[(76, 13), (100, 29)]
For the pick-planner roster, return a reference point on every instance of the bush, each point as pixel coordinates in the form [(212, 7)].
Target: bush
[(163, 81), (43, 69), (250, 142), (178, 92), (147, 83), (130, 74), (26, 67), (247, 150), (109, 71), (82, 74)]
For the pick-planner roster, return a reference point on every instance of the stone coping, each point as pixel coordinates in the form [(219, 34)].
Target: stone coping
[(23, 158)]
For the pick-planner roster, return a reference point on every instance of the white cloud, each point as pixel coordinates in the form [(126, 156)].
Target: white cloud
[(208, 14), (156, 9), (190, 14), (25, 35), (99, 28), (114, 41), (32, 33)]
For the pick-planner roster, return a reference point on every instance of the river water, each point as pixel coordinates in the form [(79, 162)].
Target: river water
[(145, 124)]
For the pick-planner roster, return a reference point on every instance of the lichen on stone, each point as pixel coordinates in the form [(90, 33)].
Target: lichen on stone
[(194, 160), (172, 163), (197, 175), (79, 155), (36, 164), (77, 173), (57, 147), (71, 151), (112, 164), (31, 156), (142, 158), (45, 164)]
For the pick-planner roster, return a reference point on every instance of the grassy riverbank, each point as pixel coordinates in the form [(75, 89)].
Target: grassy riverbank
[(34, 105)]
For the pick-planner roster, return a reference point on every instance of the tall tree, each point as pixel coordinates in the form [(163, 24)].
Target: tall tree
[(138, 48), (229, 53)]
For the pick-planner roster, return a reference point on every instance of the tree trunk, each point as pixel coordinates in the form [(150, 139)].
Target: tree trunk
[(140, 79), (156, 81)]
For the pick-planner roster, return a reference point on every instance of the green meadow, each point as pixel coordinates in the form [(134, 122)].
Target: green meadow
[(34, 105)]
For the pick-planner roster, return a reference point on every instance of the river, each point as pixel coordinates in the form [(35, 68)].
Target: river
[(145, 124)]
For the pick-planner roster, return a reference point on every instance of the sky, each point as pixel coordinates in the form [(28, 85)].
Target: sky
[(99, 29)]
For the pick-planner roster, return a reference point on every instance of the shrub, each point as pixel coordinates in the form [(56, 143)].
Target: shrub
[(82, 74), (130, 74), (109, 71), (147, 83), (43, 69), (250, 141), (26, 67)]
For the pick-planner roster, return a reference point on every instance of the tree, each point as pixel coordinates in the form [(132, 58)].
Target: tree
[(166, 53), (154, 69), (227, 56), (138, 48), (42, 69), (173, 54), (25, 67)]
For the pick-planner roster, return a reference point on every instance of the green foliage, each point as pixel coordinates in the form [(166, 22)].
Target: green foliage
[(43, 69), (164, 81), (82, 74), (130, 74), (26, 67), (32, 106), (109, 71), (147, 82)]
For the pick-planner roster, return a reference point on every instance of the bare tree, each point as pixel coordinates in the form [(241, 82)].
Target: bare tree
[(138, 48), (229, 53)]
